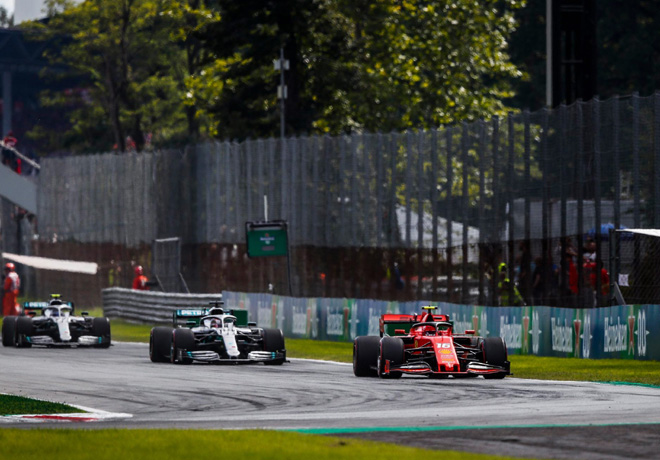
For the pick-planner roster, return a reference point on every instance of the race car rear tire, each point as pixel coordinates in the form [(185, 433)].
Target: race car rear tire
[(24, 329), (274, 342), (495, 353), (9, 331), (391, 348), (182, 340), (160, 343), (101, 329), (365, 356)]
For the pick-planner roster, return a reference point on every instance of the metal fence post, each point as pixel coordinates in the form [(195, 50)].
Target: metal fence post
[(597, 198)]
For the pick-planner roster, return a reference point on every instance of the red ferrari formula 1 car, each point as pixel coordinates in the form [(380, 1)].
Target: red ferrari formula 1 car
[(426, 344)]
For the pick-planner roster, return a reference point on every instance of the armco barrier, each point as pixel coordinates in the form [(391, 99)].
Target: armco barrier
[(149, 307), (626, 331)]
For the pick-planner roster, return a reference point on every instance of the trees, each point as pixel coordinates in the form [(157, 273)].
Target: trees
[(135, 57), (376, 66), (431, 63), (5, 19), (179, 69)]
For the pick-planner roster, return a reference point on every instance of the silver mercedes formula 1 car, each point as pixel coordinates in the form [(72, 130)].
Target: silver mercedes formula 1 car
[(212, 335), (54, 323)]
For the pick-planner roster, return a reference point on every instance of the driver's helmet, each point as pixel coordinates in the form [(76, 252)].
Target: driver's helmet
[(138, 270), (51, 312), (10, 266), (426, 329), (215, 322), (445, 330)]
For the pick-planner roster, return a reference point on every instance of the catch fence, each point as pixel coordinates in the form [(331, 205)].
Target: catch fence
[(426, 214)]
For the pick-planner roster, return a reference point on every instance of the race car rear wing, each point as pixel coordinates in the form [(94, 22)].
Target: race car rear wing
[(393, 324), (190, 317), (38, 307)]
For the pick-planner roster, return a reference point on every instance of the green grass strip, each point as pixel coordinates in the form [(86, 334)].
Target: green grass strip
[(148, 444), (19, 405)]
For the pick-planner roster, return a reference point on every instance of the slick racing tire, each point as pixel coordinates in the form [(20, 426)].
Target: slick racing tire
[(9, 331), (160, 343), (391, 348), (495, 353), (274, 342), (182, 340), (24, 329), (365, 356), (101, 329)]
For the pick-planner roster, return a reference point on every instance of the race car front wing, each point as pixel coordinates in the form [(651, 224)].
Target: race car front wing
[(252, 357), (83, 340), (421, 367)]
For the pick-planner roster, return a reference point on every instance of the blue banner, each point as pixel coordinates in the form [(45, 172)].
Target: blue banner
[(621, 332)]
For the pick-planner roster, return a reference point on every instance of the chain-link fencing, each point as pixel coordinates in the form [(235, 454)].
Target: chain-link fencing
[(430, 214)]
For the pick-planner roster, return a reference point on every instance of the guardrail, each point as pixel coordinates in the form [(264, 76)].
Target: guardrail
[(150, 307)]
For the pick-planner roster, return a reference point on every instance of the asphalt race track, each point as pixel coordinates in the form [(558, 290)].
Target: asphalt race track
[(528, 418)]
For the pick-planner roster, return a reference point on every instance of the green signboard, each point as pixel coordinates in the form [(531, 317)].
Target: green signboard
[(265, 239)]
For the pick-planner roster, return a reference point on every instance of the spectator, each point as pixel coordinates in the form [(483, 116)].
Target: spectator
[(508, 291), (11, 286), (589, 248), (590, 268), (140, 282), (10, 140)]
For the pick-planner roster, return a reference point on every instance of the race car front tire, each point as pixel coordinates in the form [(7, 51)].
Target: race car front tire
[(160, 343), (182, 340), (24, 329), (273, 340), (495, 353), (391, 349), (9, 331), (365, 356), (101, 329)]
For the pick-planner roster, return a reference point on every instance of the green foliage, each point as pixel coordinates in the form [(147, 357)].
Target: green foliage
[(432, 64), (172, 70), (374, 66), (5, 19), (134, 58)]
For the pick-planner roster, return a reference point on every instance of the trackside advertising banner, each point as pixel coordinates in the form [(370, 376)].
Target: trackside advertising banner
[(626, 331)]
